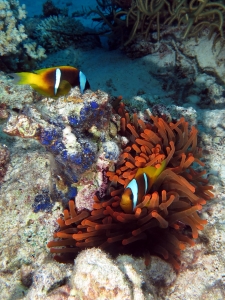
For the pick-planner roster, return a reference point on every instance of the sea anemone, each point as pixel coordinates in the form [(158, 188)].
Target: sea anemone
[(167, 218)]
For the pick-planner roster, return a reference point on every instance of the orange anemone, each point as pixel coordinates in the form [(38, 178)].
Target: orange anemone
[(167, 219)]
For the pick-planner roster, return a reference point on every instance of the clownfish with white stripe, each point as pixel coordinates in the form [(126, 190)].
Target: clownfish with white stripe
[(139, 186), (53, 82)]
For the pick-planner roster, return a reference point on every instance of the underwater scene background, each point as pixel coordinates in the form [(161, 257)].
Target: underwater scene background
[(112, 172)]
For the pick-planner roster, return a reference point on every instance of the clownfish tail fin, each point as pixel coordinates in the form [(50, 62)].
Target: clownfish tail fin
[(23, 78)]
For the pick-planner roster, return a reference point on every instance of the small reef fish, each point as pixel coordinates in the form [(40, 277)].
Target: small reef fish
[(139, 186), (53, 82)]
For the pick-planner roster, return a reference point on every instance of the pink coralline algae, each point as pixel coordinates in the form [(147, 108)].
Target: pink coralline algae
[(22, 126)]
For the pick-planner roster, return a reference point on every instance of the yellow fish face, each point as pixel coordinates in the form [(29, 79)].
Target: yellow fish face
[(139, 186)]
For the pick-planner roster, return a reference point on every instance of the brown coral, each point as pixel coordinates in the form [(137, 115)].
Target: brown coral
[(167, 218), (4, 161)]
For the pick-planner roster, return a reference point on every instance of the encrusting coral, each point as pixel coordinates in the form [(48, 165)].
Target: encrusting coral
[(166, 219), (76, 132)]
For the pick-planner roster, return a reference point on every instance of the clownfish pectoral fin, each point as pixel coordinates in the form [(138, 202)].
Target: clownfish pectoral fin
[(126, 202), (64, 88)]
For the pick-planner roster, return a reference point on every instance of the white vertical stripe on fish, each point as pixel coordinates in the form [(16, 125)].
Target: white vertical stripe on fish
[(134, 189), (146, 182), (57, 80)]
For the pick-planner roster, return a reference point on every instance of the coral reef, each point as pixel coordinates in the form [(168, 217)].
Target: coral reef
[(42, 202), (159, 224), (59, 32), (14, 41), (12, 31), (9, 95), (28, 174), (159, 273), (49, 9), (28, 270), (134, 18), (74, 151), (4, 114), (76, 132), (22, 126)]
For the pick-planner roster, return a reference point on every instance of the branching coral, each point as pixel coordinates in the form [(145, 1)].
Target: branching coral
[(11, 31), (59, 32), (167, 218), (14, 39), (55, 32)]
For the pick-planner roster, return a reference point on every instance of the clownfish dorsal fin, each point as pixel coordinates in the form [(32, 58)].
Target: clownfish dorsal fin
[(40, 71), (159, 170), (64, 87)]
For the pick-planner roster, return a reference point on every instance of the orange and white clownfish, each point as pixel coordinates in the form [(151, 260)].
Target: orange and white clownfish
[(139, 186), (53, 82)]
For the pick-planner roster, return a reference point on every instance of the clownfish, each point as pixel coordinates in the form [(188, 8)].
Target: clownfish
[(53, 82), (139, 186)]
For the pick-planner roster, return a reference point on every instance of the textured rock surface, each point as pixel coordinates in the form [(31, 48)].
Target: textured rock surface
[(96, 277)]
